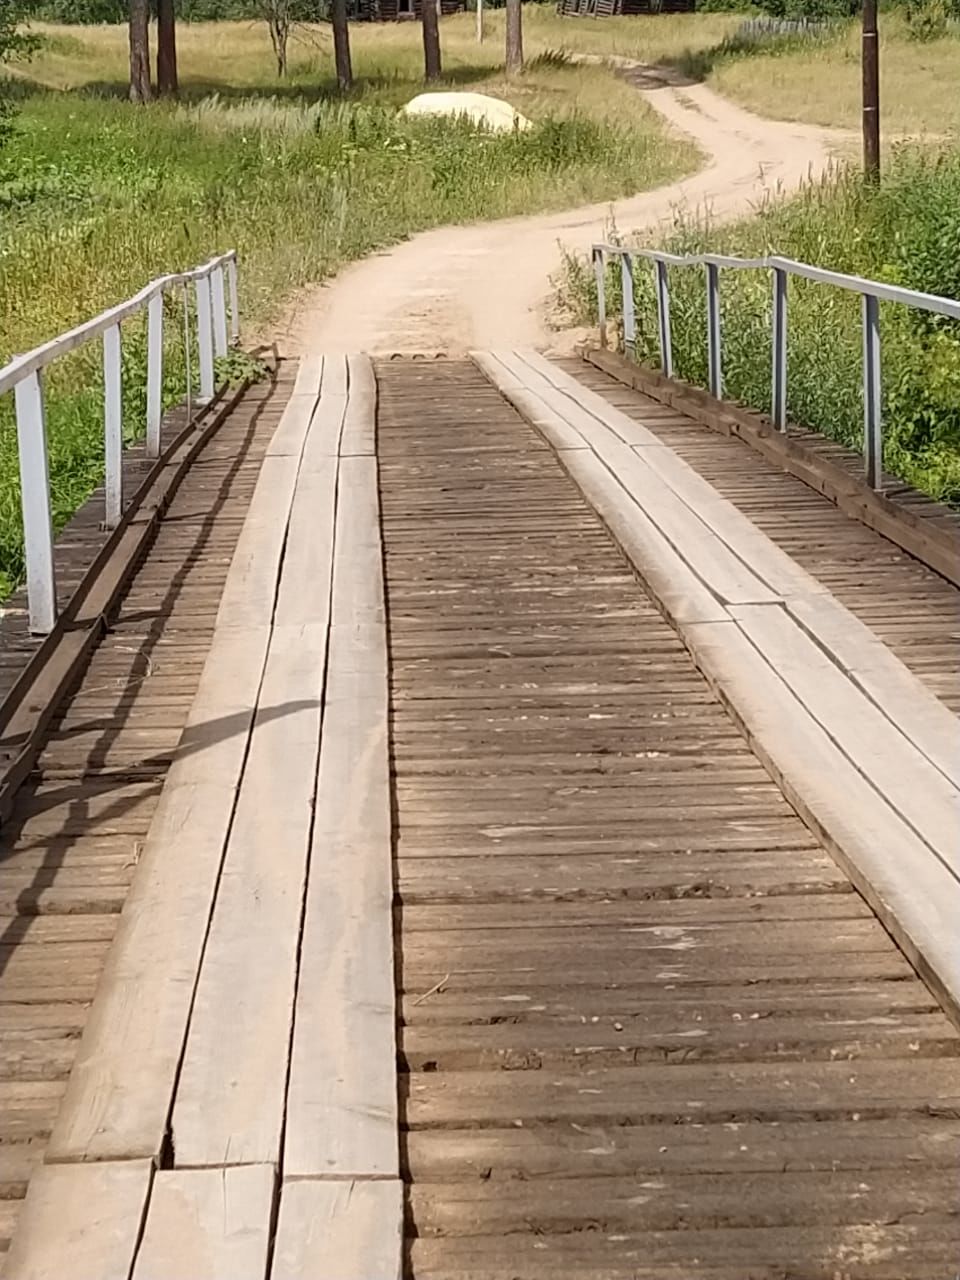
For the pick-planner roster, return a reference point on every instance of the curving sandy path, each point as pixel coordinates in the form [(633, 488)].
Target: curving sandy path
[(487, 285)]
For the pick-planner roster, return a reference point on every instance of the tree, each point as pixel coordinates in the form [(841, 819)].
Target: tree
[(140, 87), (341, 44), (279, 20), (514, 38), (14, 43), (167, 82), (431, 40)]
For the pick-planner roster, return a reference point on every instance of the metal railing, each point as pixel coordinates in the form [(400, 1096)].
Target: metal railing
[(213, 283), (872, 293)]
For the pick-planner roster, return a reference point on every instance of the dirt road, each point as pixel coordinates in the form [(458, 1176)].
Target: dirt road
[(454, 288)]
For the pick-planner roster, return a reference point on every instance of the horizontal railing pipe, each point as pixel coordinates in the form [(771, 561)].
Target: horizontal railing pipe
[(213, 282), (872, 292)]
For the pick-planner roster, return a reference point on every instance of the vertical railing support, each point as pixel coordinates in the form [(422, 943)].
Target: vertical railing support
[(663, 319), (219, 312), (35, 505), (714, 360), (629, 306), (599, 271), (872, 420), (113, 425), (205, 339), (778, 407), (154, 374), (234, 300)]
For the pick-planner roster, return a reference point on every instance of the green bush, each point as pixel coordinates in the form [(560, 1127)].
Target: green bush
[(906, 233)]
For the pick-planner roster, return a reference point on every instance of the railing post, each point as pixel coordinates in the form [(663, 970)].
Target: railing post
[(234, 301), (663, 319), (629, 307), (35, 505), (714, 360), (113, 426), (204, 339), (154, 374), (599, 269), (219, 312), (778, 408), (872, 422)]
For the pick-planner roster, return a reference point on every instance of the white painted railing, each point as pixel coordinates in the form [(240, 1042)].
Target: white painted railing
[(22, 375), (872, 293)]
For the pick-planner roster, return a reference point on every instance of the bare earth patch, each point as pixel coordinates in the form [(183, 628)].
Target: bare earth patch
[(455, 288)]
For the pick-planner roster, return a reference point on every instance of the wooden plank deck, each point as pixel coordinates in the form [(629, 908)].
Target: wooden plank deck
[(627, 969), (647, 1026)]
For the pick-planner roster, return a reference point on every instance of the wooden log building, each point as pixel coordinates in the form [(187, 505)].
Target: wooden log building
[(398, 10), (611, 8)]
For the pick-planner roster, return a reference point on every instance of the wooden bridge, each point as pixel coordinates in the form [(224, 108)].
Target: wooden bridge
[(485, 820)]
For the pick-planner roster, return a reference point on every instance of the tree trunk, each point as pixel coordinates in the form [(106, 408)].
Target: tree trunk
[(140, 90), (514, 38), (167, 82), (431, 40), (341, 44)]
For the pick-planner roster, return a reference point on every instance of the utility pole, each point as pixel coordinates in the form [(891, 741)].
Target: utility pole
[(870, 58), (479, 21)]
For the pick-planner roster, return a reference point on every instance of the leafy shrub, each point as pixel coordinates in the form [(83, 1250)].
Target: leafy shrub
[(906, 233)]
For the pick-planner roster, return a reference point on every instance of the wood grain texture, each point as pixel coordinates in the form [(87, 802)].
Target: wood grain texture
[(81, 1220), (343, 1229), (209, 1223)]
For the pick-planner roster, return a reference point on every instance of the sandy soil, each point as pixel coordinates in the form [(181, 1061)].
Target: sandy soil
[(456, 288)]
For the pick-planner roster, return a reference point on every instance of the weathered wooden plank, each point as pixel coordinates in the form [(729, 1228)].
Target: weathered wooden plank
[(882, 676), (903, 776), (249, 593), (340, 1229), (229, 1103), (208, 1224), (912, 891), (305, 585), (860, 1251), (694, 1092), (326, 427), (309, 377), (556, 430), (291, 432), (359, 425), (80, 1220)]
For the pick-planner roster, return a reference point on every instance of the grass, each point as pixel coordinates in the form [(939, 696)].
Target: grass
[(818, 81), (906, 233), (97, 196)]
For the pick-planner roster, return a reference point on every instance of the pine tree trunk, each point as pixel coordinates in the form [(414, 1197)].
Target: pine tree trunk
[(514, 38), (167, 82), (341, 44), (140, 90), (431, 40)]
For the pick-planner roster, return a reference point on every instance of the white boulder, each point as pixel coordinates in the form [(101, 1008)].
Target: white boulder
[(494, 113)]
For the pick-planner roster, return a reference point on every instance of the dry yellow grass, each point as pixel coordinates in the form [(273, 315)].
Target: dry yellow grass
[(919, 82)]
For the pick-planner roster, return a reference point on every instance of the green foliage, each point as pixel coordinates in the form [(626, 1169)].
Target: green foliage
[(14, 43), (237, 367), (98, 197), (927, 19), (906, 233)]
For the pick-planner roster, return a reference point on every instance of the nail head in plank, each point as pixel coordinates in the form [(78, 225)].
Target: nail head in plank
[(80, 1221)]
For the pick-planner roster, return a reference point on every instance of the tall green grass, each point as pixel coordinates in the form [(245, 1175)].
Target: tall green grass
[(907, 233), (97, 198)]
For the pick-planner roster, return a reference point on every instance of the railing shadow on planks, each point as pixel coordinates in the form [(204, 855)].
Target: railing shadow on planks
[(872, 293), (214, 283)]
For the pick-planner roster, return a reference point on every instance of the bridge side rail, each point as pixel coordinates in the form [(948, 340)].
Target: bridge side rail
[(214, 283), (872, 293)]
